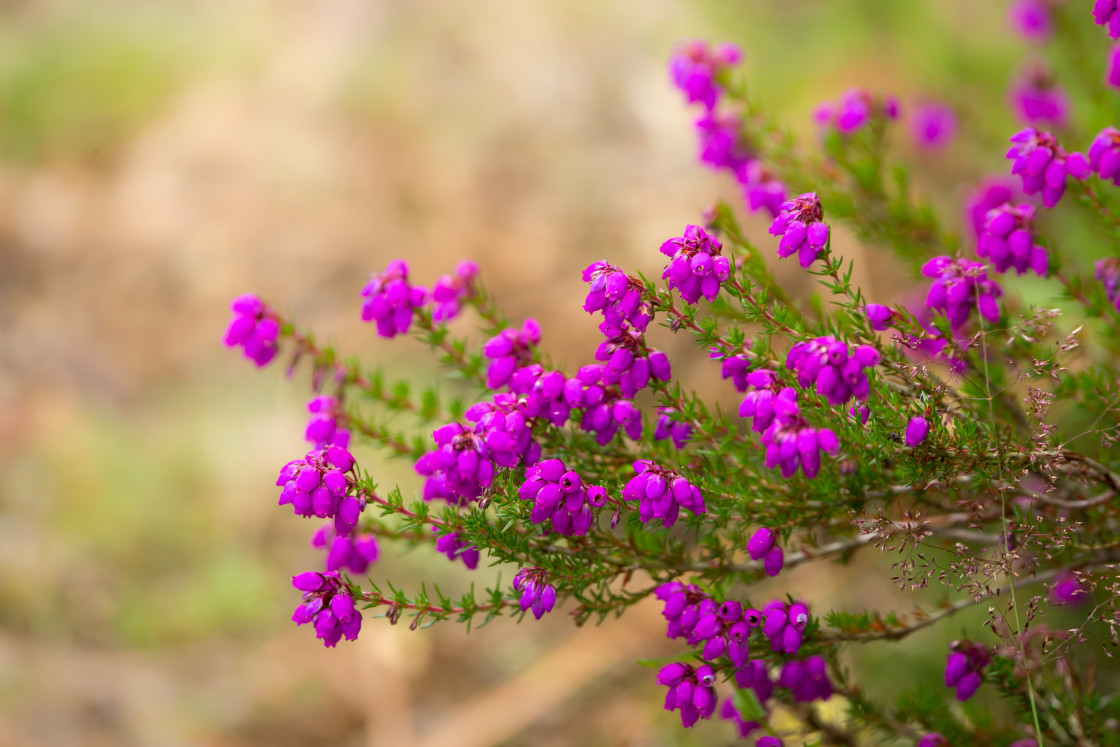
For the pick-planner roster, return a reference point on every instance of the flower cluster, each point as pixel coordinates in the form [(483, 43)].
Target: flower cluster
[(721, 628), (254, 328), (724, 145), (760, 403), (604, 410), (661, 493), (537, 595), (992, 192), (461, 468), (318, 485), (695, 69), (1008, 240), (1043, 165), (691, 691), (324, 427), (1107, 271), (959, 285), (355, 552), (782, 624), (801, 225), (792, 443), (837, 373), (734, 365), (696, 267), (456, 549), (933, 125), (669, 427), (806, 679), (390, 300), (964, 669), (1037, 98), (559, 495), (856, 108), (1104, 155), (510, 350), (619, 296), (627, 362), (1031, 18), (328, 606), (449, 291), (1105, 14), (763, 546)]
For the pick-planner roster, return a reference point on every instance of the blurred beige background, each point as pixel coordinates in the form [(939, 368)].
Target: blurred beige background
[(159, 158)]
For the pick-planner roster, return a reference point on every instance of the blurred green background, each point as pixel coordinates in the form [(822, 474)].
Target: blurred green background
[(158, 158)]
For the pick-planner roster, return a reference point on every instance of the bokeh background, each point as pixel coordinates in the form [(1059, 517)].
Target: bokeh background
[(158, 158)]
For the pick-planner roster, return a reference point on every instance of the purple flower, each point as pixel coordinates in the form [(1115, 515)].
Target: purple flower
[(916, 430), (801, 226), (733, 365), (762, 189), (1112, 72), (509, 350), (768, 741), (992, 192), (791, 442), (460, 468), (723, 144), (354, 552), (696, 267), (604, 409), (965, 667), (762, 546), (668, 427), (807, 680), (878, 316), (1008, 240), (323, 428), (718, 627), (456, 549), (661, 493), (1108, 273), (560, 495), (958, 286), (1068, 589), (933, 740), (855, 109), (619, 296), (782, 625), (1043, 165), (390, 300), (450, 291), (537, 594), (254, 328), (1104, 13), (695, 69), (1037, 98), (627, 362), (691, 691), (729, 712), (1104, 155), (933, 126), (761, 402), (837, 373), (503, 423), (1031, 18), (328, 606), (755, 675), (319, 485)]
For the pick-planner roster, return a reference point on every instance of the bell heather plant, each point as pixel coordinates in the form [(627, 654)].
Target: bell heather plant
[(966, 427)]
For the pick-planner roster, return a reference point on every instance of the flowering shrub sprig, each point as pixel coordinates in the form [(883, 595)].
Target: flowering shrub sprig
[(980, 448)]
